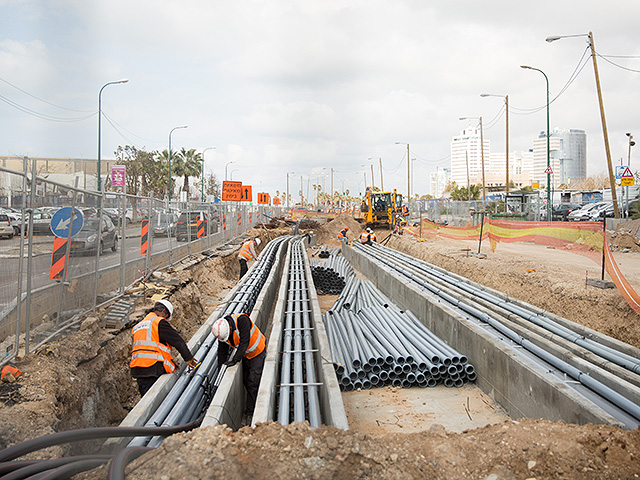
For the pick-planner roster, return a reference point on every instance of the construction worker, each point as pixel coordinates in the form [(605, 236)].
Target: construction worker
[(247, 252), (153, 338), (372, 237), (239, 331), (364, 236), (405, 213), (343, 233)]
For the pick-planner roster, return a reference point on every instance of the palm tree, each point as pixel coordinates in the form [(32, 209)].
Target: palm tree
[(190, 165)]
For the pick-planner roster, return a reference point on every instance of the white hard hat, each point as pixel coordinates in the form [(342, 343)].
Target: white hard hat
[(369, 230), (167, 305), (257, 241), (220, 329)]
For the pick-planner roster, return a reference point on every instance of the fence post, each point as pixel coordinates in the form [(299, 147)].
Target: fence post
[(123, 237), (67, 255), (25, 164), (99, 241), (147, 257), (175, 232), (30, 255)]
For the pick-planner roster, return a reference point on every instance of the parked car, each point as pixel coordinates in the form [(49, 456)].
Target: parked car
[(6, 230), (114, 214), (164, 224), (42, 223), (583, 213), (91, 237), (562, 211), (594, 214), (189, 220)]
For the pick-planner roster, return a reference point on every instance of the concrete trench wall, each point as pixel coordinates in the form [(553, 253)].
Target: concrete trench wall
[(519, 387)]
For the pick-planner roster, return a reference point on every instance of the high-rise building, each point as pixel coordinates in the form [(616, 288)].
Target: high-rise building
[(438, 181), (466, 157), (568, 156)]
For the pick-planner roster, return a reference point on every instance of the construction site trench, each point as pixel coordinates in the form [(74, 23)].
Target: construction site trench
[(83, 380)]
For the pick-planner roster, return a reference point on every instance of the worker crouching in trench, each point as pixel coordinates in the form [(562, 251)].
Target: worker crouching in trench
[(240, 332)]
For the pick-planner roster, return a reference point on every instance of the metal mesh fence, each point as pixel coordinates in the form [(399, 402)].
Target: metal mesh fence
[(104, 242)]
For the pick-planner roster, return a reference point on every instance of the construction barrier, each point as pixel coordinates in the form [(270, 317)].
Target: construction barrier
[(144, 236), (224, 221), (584, 238), (200, 227), (239, 221), (58, 258)]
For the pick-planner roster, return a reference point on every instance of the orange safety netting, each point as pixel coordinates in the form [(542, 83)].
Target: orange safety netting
[(584, 238)]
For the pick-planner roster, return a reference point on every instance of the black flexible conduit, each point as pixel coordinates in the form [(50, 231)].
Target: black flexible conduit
[(381, 254)]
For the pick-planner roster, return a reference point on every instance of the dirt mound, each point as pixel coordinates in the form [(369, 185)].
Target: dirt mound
[(524, 449), (328, 233)]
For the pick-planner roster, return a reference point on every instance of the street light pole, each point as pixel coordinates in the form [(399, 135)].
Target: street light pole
[(548, 143), (124, 80), (170, 187), (225, 168), (202, 186), (506, 103), (612, 178)]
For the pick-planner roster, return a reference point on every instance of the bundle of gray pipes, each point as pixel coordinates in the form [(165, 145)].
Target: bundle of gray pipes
[(373, 343)]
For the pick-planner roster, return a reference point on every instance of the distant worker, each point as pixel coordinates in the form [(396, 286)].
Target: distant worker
[(153, 338), (238, 330), (364, 236), (372, 237), (343, 233), (405, 213), (247, 252)]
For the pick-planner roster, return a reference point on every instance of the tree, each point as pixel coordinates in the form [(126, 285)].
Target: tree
[(189, 164), (212, 186)]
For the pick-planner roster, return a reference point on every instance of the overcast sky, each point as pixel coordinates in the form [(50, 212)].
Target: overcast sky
[(300, 86)]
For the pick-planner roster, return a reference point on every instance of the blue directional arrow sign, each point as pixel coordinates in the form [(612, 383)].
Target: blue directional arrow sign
[(61, 224)]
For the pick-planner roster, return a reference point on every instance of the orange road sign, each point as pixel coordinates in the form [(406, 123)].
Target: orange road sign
[(58, 258), (246, 195), (263, 199), (232, 191)]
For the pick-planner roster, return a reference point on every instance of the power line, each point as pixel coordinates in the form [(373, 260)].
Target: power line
[(112, 121), (616, 65), (43, 116), (42, 99)]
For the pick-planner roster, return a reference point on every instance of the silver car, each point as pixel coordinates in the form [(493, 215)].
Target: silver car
[(6, 230)]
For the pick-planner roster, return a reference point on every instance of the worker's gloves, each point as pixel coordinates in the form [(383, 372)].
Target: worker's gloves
[(230, 363)]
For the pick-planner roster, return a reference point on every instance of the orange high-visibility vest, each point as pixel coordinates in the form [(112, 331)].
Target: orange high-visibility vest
[(342, 234), (372, 237), (147, 348), (257, 341), (245, 250), (364, 237)]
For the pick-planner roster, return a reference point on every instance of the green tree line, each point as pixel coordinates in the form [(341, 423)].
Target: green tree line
[(148, 172)]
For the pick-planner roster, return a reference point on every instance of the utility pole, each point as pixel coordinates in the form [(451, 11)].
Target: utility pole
[(612, 178), (506, 102), (381, 181)]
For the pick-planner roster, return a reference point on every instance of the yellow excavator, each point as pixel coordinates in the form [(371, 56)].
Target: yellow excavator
[(382, 208)]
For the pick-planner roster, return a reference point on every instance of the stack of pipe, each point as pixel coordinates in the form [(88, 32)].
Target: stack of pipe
[(192, 392), (331, 275), (379, 345), (326, 251), (298, 392)]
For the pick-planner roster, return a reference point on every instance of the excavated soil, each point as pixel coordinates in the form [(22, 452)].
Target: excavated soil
[(83, 380)]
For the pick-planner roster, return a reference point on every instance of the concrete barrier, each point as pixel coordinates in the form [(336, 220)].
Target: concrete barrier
[(517, 385)]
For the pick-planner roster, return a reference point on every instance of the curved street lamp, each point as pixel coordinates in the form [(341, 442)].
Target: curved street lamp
[(225, 168), (202, 186), (174, 128), (548, 147), (124, 80), (408, 172)]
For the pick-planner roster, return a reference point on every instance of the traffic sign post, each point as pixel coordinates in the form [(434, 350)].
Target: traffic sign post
[(231, 191)]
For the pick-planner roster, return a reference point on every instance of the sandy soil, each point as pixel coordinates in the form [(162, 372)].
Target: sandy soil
[(83, 380)]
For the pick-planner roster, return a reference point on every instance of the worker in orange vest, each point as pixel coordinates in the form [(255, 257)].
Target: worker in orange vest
[(247, 252), (364, 236), (343, 233), (153, 338), (240, 332), (372, 237)]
